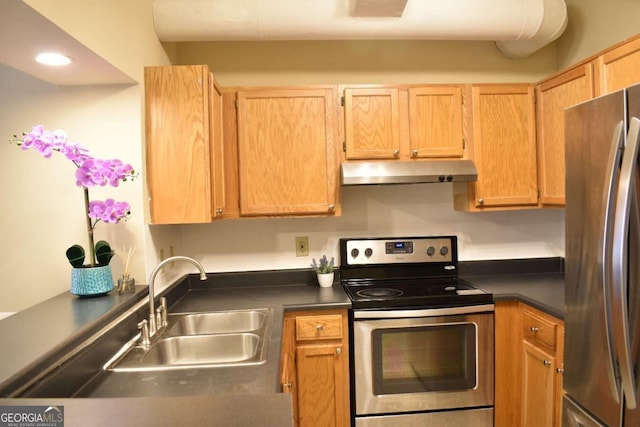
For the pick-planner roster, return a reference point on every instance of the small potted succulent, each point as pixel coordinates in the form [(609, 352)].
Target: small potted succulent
[(324, 269)]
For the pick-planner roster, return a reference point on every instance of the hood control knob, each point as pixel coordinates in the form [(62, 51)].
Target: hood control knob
[(368, 252), (355, 252), (431, 250)]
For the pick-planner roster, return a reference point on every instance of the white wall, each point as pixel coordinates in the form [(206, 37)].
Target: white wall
[(44, 209), (404, 210)]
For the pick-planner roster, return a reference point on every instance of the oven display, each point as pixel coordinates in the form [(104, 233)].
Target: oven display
[(393, 248)]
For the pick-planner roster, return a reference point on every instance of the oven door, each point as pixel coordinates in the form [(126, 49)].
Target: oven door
[(423, 360)]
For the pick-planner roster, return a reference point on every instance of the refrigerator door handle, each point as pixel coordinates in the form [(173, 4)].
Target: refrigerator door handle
[(619, 277), (605, 250)]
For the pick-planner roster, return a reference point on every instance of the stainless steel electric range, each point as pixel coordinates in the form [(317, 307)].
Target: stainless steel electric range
[(422, 343)]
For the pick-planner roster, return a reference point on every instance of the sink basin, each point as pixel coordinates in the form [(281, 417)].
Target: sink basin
[(202, 349), (200, 340), (223, 322)]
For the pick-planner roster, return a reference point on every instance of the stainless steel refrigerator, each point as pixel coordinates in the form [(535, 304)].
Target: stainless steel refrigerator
[(602, 267)]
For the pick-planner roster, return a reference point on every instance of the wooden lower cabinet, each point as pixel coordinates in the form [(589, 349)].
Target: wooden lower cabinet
[(315, 367), (529, 366)]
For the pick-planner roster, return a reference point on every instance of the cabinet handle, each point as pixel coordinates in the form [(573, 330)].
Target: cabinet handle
[(338, 351), (396, 152), (533, 329), (319, 328), (414, 153), (547, 363)]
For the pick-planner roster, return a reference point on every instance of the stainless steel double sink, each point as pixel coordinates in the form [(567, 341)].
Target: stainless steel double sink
[(201, 340)]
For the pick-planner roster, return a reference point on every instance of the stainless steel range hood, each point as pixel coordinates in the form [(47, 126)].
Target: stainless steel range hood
[(407, 172)]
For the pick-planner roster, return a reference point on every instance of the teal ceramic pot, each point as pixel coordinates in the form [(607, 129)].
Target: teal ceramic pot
[(91, 281)]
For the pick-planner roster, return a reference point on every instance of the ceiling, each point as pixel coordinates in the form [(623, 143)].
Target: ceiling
[(25, 33)]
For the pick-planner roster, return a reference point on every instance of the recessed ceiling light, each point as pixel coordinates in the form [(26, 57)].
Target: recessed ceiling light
[(52, 58)]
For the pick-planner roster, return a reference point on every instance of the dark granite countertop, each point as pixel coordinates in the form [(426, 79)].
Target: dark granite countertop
[(273, 410), (542, 291), (256, 379), (538, 282), (40, 335)]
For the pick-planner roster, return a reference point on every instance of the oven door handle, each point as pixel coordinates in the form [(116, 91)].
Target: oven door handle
[(430, 312)]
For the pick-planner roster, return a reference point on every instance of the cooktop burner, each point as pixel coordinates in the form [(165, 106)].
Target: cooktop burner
[(379, 293), (381, 273)]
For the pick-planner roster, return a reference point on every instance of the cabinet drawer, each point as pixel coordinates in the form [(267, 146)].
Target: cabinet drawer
[(319, 327), (539, 330)]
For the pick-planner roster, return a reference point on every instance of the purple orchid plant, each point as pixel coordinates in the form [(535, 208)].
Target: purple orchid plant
[(90, 172)]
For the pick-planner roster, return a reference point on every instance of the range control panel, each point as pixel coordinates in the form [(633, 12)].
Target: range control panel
[(399, 250)]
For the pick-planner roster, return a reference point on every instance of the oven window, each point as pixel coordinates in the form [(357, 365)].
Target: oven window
[(424, 359)]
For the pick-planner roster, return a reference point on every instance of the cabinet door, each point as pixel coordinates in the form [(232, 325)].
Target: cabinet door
[(217, 149), (287, 151), (619, 67), (435, 121), (177, 144), (554, 95), (321, 397), (538, 391), (372, 124), (504, 145), (508, 363), (288, 375)]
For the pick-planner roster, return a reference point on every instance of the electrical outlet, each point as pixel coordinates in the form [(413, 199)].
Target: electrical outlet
[(302, 246)]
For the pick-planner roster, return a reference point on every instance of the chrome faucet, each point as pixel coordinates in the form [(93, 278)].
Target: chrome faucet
[(153, 327)]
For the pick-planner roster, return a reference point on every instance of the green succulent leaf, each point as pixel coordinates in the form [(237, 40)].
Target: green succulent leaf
[(104, 253), (75, 255)]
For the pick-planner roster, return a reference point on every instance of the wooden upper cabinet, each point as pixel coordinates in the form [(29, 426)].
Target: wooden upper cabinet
[(178, 151), (618, 67), (372, 123), (504, 138), (553, 96), (288, 157), (435, 121)]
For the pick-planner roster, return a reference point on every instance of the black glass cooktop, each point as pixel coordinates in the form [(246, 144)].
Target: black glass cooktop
[(414, 292)]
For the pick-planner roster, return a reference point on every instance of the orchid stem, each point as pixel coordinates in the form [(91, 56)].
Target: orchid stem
[(92, 255)]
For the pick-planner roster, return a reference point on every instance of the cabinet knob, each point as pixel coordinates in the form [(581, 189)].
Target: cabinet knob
[(319, 328), (481, 201), (533, 329), (547, 362), (286, 386), (332, 207), (338, 350), (219, 211), (414, 153), (560, 370), (396, 152)]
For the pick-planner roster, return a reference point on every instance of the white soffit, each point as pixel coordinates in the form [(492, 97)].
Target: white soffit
[(519, 27), (25, 33)]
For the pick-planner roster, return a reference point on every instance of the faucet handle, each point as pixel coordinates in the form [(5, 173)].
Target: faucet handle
[(144, 329), (163, 317)]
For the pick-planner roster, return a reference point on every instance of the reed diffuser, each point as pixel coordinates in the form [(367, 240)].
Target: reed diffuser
[(126, 284)]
